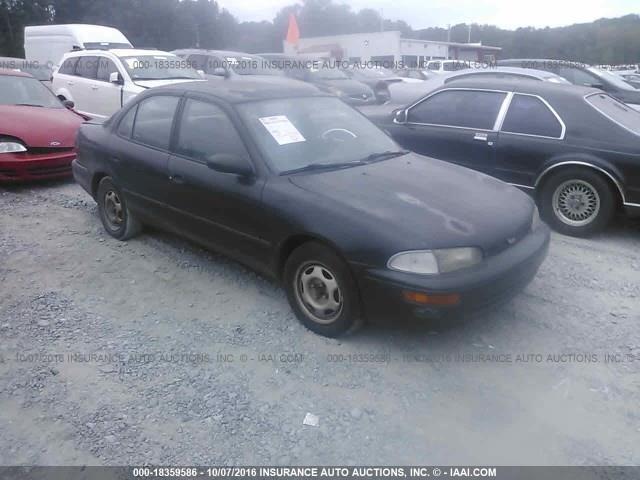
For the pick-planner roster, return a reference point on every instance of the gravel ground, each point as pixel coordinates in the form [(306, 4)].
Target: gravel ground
[(156, 351)]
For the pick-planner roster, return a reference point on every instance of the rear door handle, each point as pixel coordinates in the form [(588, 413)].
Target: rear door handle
[(94, 87), (481, 137), (177, 179), (71, 84)]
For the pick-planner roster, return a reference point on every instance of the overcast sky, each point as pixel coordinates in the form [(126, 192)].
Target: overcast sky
[(428, 13)]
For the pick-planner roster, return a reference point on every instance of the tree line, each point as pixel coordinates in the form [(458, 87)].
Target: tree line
[(171, 24)]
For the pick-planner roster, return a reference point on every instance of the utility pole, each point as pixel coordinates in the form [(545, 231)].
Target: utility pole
[(449, 32), (381, 20), (469, 38)]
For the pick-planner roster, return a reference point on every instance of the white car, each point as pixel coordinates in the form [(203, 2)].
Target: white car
[(446, 66), (100, 82)]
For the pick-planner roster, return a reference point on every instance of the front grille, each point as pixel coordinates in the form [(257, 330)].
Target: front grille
[(7, 172), (49, 150)]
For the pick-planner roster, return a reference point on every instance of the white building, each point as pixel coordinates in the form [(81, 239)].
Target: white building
[(389, 47)]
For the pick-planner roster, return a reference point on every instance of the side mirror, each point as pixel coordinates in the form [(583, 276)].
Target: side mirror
[(229, 163), (201, 73), (116, 78), (68, 104), (400, 117)]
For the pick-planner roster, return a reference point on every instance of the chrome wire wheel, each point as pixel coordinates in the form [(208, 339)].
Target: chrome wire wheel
[(576, 203), (318, 293), (113, 210)]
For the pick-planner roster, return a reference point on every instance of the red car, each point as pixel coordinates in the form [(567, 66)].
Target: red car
[(37, 131)]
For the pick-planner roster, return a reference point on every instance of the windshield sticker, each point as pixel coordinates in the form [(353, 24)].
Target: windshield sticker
[(282, 130)]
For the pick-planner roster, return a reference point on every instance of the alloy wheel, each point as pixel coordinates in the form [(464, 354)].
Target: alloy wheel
[(576, 203)]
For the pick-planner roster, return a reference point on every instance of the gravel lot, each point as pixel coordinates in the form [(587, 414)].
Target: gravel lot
[(155, 351)]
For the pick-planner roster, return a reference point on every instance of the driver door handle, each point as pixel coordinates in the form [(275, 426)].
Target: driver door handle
[(481, 137)]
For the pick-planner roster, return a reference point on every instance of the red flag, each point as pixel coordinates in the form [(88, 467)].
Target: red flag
[(293, 34)]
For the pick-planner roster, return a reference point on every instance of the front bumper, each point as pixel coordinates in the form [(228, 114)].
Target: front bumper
[(494, 281), (27, 166)]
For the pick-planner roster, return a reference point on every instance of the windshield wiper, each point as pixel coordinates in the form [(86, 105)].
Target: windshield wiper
[(27, 105), (375, 157), (325, 166)]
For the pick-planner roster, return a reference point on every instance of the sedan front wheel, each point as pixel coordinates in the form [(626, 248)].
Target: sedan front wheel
[(322, 291)]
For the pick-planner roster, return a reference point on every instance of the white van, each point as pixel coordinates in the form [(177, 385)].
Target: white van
[(46, 44)]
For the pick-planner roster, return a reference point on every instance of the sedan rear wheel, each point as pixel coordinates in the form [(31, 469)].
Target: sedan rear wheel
[(322, 291), (578, 202), (116, 218)]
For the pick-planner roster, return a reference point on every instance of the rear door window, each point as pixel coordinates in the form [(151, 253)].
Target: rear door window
[(69, 66), (529, 115), (474, 109), (87, 67), (154, 121), (616, 111)]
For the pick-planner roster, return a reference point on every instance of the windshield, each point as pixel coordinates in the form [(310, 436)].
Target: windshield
[(295, 133), (611, 78), (26, 91), (249, 65), (615, 110), (158, 67), (326, 74)]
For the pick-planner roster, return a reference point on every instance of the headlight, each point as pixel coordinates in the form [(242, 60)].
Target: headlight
[(536, 222), (433, 262), (12, 147)]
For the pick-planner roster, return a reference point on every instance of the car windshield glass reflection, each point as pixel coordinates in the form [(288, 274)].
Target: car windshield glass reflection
[(158, 67), (26, 91), (297, 133)]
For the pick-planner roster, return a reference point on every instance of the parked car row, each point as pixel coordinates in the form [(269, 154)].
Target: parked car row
[(426, 208)]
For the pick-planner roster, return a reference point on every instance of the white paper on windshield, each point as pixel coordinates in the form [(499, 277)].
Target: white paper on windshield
[(282, 130)]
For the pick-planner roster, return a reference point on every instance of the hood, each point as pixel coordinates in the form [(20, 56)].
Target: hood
[(161, 83), (40, 127), (425, 203)]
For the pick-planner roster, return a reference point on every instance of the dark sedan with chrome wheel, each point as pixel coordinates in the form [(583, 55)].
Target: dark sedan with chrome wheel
[(576, 149), (300, 186)]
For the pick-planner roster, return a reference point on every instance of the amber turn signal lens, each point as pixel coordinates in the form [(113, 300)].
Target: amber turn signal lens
[(422, 298)]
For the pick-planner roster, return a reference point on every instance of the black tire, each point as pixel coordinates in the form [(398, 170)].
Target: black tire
[(120, 224), (311, 259), (593, 194)]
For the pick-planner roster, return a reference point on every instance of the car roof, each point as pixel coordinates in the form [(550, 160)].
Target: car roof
[(533, 87), (14, 73), (249, 90), (118, 52)]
